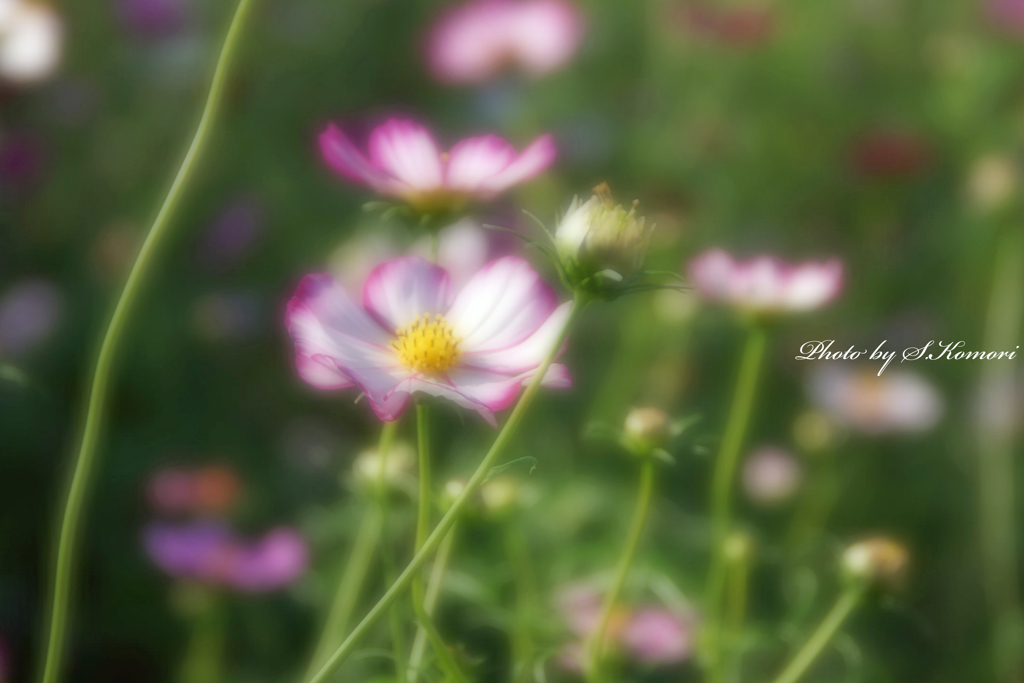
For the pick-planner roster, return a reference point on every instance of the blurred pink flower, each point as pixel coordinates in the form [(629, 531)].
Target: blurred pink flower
[(655, 635), (771, 475), (412, 333), (475, 41), (765, 285), (29, 313), (898, 401), (579, 605), (204, 490), (738, 26), (1006, 15), (153, 18), (208, 552), (405, 162)]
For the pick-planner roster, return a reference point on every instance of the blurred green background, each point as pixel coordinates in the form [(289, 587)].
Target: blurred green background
[(854, 128)]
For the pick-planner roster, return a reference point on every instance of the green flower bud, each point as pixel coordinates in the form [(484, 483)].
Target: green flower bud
[(601, 244), (877, 562), (646, 429)]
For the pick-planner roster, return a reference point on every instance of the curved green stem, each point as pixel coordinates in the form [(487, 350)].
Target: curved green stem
[(722, 485), (595, 651), (444, 656), (78, 490), (846, 603), (439, 532), (204, 658), (354, 575), (419, 645)]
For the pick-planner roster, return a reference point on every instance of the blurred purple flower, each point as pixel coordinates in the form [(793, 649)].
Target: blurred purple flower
[(29, 313), (405, 162), (21, 160), (898, 401), (208, 552), (152, 18), (765, 285), (1006, 15), (771, 475), (203, 490), (475, 41), (655, 635), (233, 235)]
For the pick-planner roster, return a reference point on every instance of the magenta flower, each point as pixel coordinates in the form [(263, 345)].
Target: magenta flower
[(657, 636), (405, 162), (413, 334), (765, 285), (209, 553), (475, 41), (1006, 15)]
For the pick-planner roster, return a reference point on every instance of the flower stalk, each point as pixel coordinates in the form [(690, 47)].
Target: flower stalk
[(847, 602), (448, 520), (595, 649), (77, 493), (722, 484), (419, 645)]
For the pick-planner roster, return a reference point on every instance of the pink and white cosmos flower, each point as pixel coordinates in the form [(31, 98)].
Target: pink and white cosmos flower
[(475, 41), (405, 162), (765, 285), (412, 333)]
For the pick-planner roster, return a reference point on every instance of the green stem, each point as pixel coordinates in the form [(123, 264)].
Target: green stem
[(526, 602), (996, 470), (846, 603), (444, 655), (351, 583), (722, 484), (419, 645), (439, 532), (737, 573), (204, 657), (595, 650), (387, 550), (77, 492)]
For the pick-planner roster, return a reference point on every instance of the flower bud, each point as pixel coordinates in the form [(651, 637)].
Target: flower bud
[(738, 547), (876, 562), (600, 243), (646, 429), (367, 468), (500, 495), (992, 182)]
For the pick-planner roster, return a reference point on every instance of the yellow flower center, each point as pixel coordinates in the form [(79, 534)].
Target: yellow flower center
[(427, 345)]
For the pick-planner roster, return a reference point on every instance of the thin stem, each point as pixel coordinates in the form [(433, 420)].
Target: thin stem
[(387, 551), (439, 532), (526, 602), (643, 504), (737, 573), (419, 645), (996, 470), (363, 549), (77, 492), (204, 658), (846, 603), (444, 655), (722, 484)]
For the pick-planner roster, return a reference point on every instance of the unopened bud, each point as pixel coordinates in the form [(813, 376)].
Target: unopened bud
[(647, 429), (992, 182), (877, 562)]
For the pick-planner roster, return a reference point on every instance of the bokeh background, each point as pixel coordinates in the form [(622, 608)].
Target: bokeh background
[(884, 132)]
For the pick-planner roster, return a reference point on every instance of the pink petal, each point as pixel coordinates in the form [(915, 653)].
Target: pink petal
[(545, 34), (534, 159), (326, 325), (386, 388), (500, 306), (812, 285), (407, 151), (475, 161), (492, 390), (527, 354), (712, 273), (339, 152), (469, 43), (401, 290)]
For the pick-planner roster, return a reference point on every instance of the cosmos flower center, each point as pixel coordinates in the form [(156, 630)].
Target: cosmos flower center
[(428, 344)]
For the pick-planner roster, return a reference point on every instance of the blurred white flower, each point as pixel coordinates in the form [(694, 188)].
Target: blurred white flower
[(30, 41), (771, 475), (29, 313), (992, 181), (898, 401)]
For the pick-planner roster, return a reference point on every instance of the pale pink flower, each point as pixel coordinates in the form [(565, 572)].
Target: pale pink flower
[(412, 333), (771, 475), (475, 41), (1006, 15), (405, 162), (655, 635), (898, 401), (31, 34), (764, 284)]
